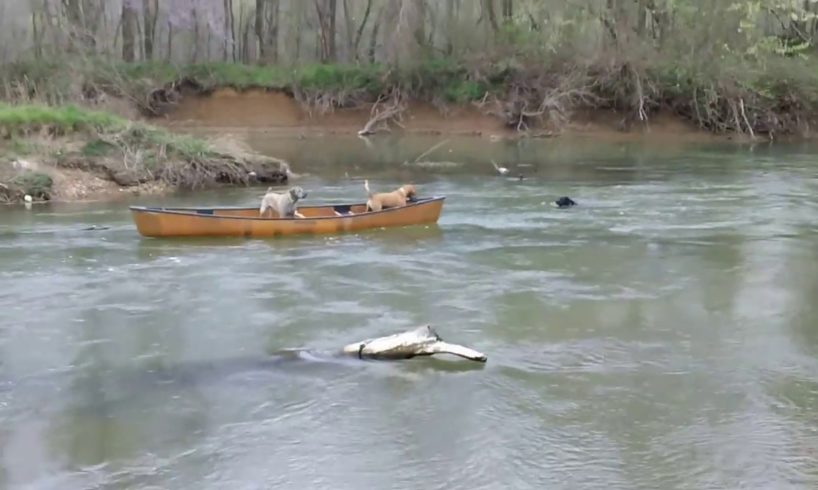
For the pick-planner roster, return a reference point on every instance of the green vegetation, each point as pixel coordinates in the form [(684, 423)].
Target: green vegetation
[(111, 131), (770, 95), (745, 66), (35, 184), (733, 66), (64, 119), (128, 153), (345, 85)]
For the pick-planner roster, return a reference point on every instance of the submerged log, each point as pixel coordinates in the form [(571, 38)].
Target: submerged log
[(421, 341)]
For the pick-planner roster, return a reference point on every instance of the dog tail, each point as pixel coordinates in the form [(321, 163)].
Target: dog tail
[(366, 186)]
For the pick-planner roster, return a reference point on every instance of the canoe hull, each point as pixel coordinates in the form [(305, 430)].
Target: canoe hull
[(245, 222)]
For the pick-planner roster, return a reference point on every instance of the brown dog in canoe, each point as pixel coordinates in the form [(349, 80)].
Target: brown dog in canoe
[(384, 200)]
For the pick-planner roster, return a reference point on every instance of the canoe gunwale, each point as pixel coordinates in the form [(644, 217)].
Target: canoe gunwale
[(192, 211)]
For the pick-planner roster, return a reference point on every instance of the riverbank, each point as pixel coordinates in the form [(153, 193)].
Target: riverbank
[(70, 153), (97, 129), (278, 114), (766, 99)]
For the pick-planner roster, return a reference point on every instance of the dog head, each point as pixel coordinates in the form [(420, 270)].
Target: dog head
[(565, 202), (408, 191), (297, 193)]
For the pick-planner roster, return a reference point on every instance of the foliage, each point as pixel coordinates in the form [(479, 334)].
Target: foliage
[(63, 119), (728, 65), (36, 184), (129, 152)]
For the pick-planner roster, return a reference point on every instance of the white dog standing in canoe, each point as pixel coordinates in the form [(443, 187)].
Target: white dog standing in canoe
[(283, 203)]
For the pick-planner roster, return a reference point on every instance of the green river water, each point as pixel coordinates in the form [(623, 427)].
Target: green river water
[(662, 334)]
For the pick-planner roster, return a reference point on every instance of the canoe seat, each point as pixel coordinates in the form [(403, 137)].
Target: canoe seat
[(342, 210)]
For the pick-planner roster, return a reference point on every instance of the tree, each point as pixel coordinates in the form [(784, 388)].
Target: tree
[(128, 31), (326, 10), (229, 31), (150, 15), (508, 10)]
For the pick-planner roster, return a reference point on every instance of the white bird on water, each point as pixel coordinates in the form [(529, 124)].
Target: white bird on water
[(500, 170)]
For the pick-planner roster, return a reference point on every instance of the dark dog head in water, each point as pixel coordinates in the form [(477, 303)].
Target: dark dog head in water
[(564, 202)]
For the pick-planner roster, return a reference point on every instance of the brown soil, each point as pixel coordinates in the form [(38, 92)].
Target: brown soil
[(279, 113), (73, 185)]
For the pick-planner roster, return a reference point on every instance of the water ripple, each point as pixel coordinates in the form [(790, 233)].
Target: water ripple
[(659, 335)]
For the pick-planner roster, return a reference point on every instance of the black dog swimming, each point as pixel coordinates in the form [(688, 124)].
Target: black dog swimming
[(564, 202)]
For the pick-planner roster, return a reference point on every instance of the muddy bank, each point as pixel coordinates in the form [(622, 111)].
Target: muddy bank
[(72, 174), (108, 163), (69, 153), (279, 113), (44, 179)]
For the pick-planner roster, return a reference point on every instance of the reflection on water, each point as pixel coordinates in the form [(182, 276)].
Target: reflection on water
[(660, 335)]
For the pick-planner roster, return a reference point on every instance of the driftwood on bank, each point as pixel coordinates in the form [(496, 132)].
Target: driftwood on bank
[(382, 114)]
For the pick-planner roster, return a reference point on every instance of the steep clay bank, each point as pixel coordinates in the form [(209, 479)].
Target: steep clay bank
[(279, 113)]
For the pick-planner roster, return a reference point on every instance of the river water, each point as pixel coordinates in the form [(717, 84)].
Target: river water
[(662, 334)]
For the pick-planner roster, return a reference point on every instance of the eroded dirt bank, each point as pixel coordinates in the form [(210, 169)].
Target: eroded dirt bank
[(278, 112)]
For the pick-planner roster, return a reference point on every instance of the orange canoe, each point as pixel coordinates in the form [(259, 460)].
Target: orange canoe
[(246, 222)]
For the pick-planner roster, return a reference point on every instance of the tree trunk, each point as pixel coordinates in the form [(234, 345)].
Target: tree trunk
[(139, 36), (226, 33), (349, 29), (38, 36), (245, 30), (232, 28), (373, 40), (450, 23), (76, 23), (128, 32), (360, 32), (262, 42), (420, 22), (333, 54), (642, 18), (170, 41), (195, 34), (297, 44), (488, 10), (272, 29), (266, 29), (610, 20), (508, 11), (150, 14), (405, 45), (326, 10)]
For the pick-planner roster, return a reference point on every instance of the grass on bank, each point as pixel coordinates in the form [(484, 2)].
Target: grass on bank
[(97, 126), (127, 152), (59, 82), (725, 93)]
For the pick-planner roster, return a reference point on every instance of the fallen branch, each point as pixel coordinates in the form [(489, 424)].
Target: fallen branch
[(744, 115), (379, 120), (430, 150), (640, 97)]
